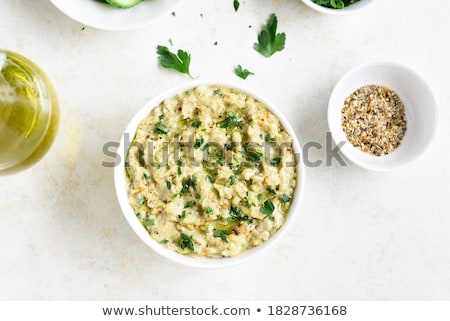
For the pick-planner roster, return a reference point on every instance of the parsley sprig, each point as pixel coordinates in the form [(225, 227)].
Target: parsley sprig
[(179, 62), (269, 41), (242, 73)]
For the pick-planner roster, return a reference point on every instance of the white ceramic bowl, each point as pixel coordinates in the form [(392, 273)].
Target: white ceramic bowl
[(358, 6), (100, 15), (420, 108), (121, 185)]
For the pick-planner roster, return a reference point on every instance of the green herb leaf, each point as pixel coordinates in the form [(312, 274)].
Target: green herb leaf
[(269, 41), (146, 177), (236, 5), (199, 142), (186, 242), (269, 140), (183, 215), (275, 161), (242, 73), (222, 234), (235, 214), (209, 210), (267, 208), (169, 185), (161, 128), (141, 199), (164, 241), (196, 124), (179, 62), (190, 182), (272, 191), (230, 121), (149, 222), (285, 198), (189, 204)]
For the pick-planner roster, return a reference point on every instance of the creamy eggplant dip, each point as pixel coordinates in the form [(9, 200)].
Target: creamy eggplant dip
[(211, 172)]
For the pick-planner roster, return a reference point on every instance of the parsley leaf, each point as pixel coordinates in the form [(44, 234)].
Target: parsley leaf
[(222, 234), (285, 198), (186, 242), (269, 41), (242, 73), (169, 60), (236, 5), (231, 120), (267, 208), (169, 185), (161, 128), (196, 124)]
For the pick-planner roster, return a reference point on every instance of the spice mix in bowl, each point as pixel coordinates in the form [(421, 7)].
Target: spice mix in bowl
[(382, 115)]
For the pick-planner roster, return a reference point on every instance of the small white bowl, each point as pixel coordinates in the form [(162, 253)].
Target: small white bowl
[(358, 6), (100, 15), (122, 195), (420, 108)]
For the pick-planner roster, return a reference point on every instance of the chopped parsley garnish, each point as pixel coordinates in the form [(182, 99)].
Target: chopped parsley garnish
[(230, 121), (235, 214), (222, 234), (272, 191), (259, 197), (275, 161), (236, 5), (161, 117), (149, 222), (209, 178), (169, 185), (196, 124), (161, 128), (267, 208), (179, 62), (146, 177), (209, 210), (285, 198), (179, 163), (141, 199), (183, 215), (216, 91), (242, 73), (269, 41), (164, 241), (189, 204), (269, 140), (190, 182), (250, 153), (232, 179), (199, 142), (186, 242), (197, 196)]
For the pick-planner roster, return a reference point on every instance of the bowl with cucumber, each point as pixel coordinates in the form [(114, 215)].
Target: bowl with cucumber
[(339, 7), (116, 14)]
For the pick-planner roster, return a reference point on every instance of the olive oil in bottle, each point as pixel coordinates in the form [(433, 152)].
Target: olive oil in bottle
[(29, 113)]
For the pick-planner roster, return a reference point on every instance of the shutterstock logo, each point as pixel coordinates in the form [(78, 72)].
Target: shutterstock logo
[(195, 153)]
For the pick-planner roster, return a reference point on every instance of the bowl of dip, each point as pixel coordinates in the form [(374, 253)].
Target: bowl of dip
[(348, 9), (384, 114), (101, 15), (211, 174)]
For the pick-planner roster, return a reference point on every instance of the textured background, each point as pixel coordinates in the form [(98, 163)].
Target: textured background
[(360, 235)]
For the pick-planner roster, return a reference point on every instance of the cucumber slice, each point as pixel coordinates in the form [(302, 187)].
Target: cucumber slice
[(123, 3)]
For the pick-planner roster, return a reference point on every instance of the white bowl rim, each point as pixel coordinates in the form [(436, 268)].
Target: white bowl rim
[(344, 149), (135, 224), (110, 25), (339, 12)]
